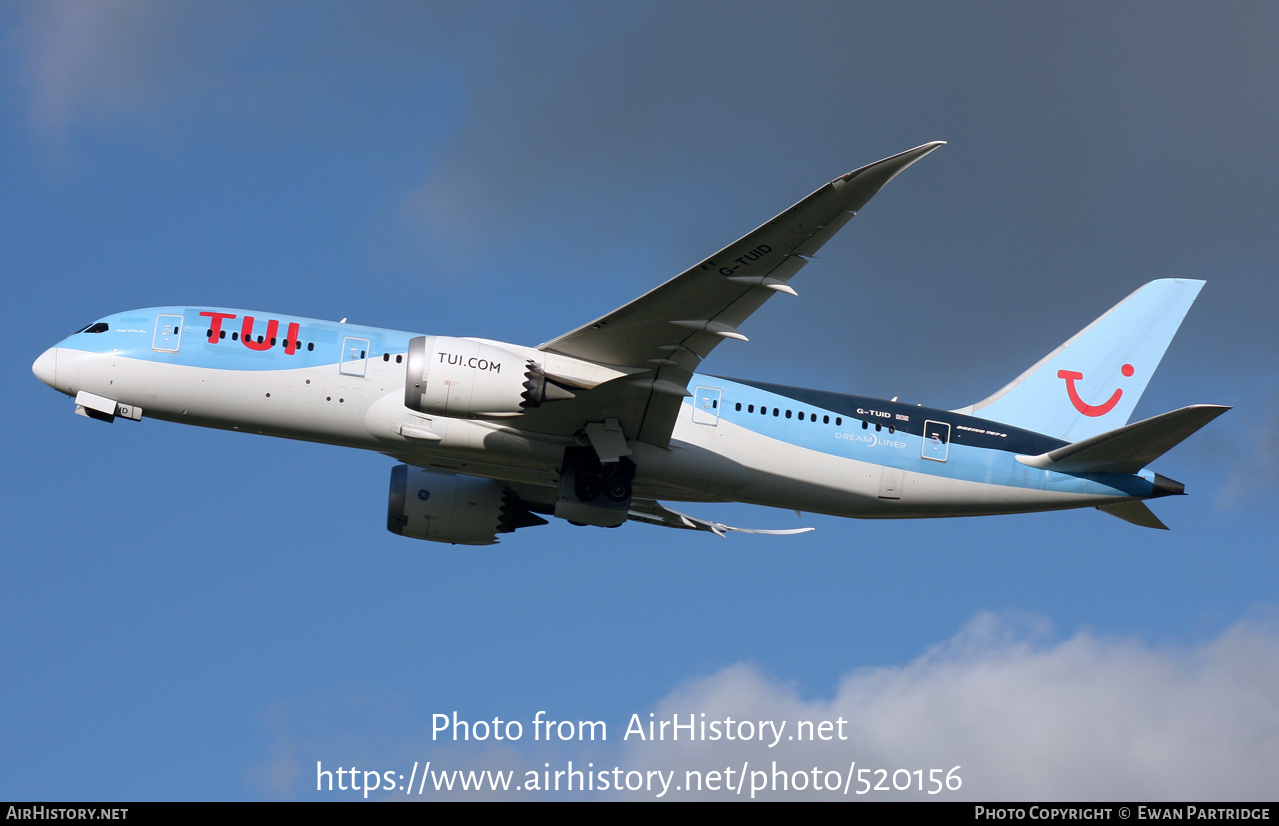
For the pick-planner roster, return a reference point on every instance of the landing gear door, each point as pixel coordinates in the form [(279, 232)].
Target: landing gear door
[(706, 405), (936, 441), (354, 353)]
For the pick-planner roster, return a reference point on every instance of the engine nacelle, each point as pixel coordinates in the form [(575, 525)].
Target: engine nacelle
[(446, 507), (468, 379)]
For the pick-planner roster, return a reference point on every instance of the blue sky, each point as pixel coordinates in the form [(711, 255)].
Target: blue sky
[(202, 615)]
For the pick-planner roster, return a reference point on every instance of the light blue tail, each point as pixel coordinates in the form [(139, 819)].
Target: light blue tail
[(1091, 384)]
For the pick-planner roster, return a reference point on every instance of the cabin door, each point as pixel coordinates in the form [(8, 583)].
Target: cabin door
[(936, 441), (355, 353), (706, 405)]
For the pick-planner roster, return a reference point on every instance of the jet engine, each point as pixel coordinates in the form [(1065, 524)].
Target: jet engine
[(468, 379), (447, 507)]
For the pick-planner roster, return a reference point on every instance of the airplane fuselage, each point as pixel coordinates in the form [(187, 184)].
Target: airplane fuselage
[(734, 440)]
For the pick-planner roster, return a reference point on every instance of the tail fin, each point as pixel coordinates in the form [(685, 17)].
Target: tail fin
[(1090, 384)]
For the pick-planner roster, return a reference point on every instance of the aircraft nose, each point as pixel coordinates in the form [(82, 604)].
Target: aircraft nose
[(46, 367)]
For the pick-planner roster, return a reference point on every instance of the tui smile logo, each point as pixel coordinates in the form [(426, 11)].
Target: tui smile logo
[(1091, 409)]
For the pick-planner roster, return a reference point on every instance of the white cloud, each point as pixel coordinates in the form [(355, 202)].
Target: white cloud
[(1090, 718)]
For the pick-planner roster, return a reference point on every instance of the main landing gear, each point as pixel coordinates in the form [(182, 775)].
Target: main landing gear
[(593, 492)]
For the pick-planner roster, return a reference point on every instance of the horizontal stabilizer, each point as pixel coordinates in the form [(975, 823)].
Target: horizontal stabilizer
[(655, 513), (1130, 448), (1136, 513)]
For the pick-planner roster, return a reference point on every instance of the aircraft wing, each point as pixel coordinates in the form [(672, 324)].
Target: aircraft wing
[(667, 332), (655, 513)]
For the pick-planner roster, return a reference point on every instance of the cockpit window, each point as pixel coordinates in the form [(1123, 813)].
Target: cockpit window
[(97, 327)]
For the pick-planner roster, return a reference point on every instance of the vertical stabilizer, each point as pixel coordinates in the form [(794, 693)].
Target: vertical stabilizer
[(1091, 384)]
